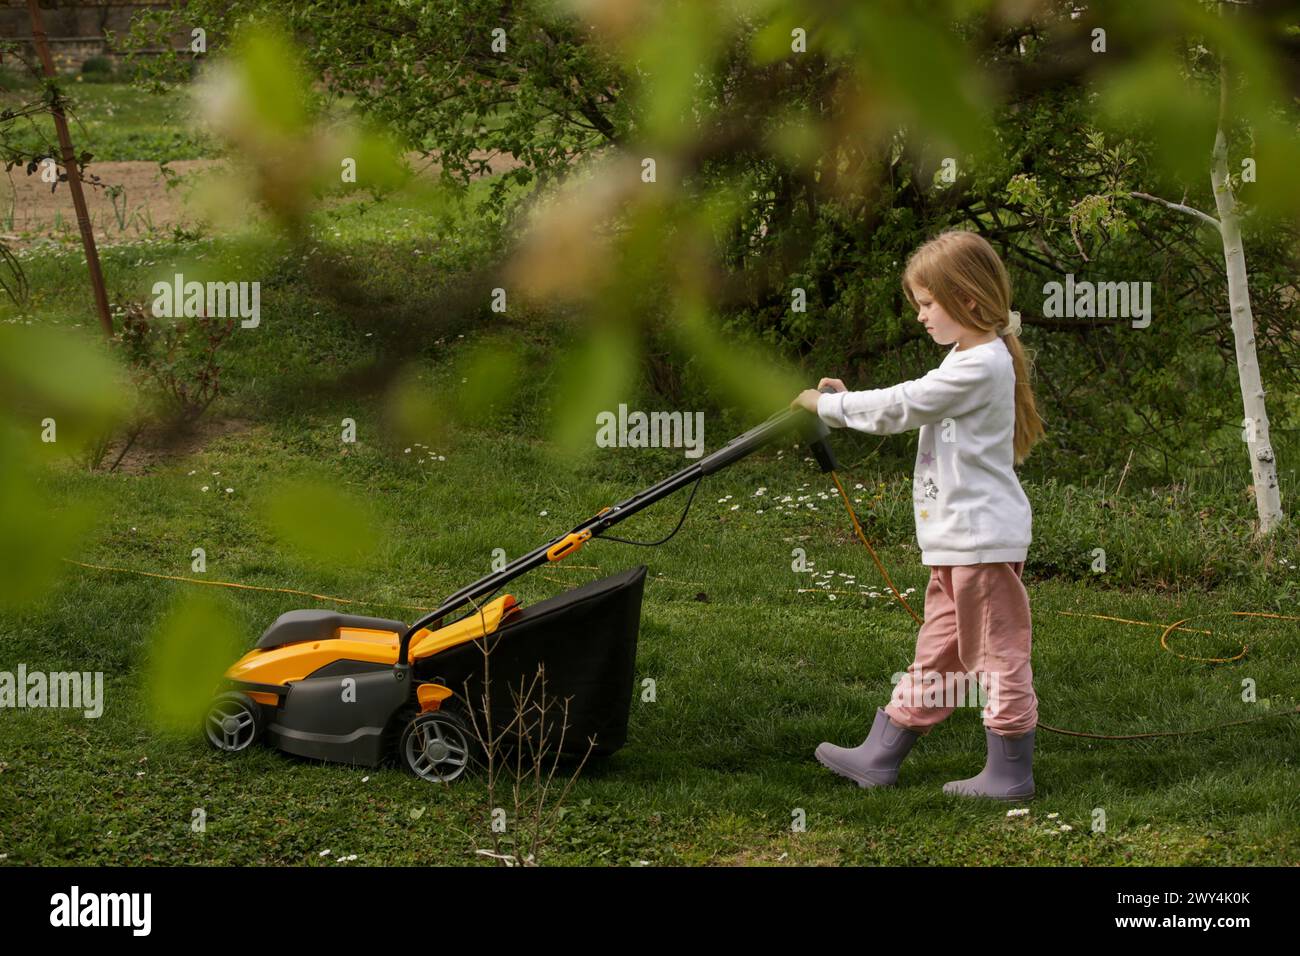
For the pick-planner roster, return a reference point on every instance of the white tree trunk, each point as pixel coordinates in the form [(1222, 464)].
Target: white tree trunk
[(1263, 467)]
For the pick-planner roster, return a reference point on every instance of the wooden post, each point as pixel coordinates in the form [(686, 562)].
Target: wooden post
[(74, 175)]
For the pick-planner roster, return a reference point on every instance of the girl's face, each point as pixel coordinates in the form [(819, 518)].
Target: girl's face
[(942, 328)]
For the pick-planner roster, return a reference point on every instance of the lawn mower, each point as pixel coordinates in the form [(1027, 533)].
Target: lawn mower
[(356, 690)]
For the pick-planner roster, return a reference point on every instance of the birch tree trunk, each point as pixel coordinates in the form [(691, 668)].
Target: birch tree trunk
[(1263, 467)]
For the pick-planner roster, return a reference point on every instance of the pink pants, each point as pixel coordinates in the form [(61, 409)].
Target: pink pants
[(976, 635)]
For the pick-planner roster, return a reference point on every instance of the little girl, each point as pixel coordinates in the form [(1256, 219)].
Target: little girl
[(977, 417)]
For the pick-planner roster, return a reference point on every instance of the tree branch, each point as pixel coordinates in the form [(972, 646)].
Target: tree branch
[(1178, 207)]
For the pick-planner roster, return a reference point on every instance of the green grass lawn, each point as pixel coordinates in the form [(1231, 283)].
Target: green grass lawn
[(748, 681)]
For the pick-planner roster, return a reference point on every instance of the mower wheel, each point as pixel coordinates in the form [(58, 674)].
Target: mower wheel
[(233, 722), (437, 746)]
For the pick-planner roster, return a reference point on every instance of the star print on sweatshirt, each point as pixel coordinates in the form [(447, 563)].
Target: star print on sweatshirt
[(968, 502)]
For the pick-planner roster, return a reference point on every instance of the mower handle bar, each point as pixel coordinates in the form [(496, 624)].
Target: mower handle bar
[(811, 429)]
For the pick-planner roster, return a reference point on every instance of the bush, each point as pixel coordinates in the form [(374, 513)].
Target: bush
[(176, 360), (99, 67)]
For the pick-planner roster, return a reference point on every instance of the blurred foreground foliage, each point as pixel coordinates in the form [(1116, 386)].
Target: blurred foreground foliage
[(727, 192)]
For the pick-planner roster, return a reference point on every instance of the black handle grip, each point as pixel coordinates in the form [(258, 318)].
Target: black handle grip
[(817, 436)]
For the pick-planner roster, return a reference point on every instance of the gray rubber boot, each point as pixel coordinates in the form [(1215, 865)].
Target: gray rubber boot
[(1008, 772), (874, 762)]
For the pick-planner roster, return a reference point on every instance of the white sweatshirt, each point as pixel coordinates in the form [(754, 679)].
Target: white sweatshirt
[(967, 502)]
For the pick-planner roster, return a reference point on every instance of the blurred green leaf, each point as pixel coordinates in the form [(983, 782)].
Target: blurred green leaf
[(381, 163), (412, 410), (773, 39), (922, 70), (191, 649), (739, 373), (485, 378), (37, 528), (1181, 116), (480, 385), (318, 523), (59, 374), (675, 54), (1276, 190), (594, 378), (272, 77)]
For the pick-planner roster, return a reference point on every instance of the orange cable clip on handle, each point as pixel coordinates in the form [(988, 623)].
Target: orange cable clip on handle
[(570, 543)]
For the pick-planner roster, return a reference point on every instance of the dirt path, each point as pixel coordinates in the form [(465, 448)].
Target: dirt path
[(29, 211)]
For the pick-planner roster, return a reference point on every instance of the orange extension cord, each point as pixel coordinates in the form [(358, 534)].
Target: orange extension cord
[(1164, 637), (1164, 642)]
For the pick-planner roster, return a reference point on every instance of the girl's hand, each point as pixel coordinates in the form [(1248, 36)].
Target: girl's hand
[(807, 400), (834, 383)]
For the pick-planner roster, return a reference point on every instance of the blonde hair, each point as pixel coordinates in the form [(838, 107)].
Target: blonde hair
[(958, 266)]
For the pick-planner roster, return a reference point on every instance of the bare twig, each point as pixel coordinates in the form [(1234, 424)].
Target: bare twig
[(1123, 474), (532, 784)]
